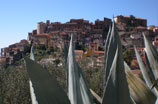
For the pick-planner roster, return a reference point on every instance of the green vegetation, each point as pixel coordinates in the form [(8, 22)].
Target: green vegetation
[(14, 85), (127, 55), (94, 75), (14, 79)]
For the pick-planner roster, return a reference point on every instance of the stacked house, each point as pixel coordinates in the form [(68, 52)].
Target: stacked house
[(13, 53), (87, 35)]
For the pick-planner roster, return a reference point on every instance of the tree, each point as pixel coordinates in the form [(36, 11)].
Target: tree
[(127, 55)]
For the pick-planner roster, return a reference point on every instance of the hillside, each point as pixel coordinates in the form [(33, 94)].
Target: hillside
[(14, 79)]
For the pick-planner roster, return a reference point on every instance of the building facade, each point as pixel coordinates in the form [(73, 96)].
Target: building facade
[(131, 21)]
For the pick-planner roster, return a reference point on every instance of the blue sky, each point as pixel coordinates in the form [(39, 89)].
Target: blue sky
[(18, 17)]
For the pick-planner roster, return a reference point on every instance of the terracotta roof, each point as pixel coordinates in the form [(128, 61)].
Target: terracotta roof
[(83, 32), (43, 34), (78, 51), (70, 31), (93, 43), (136, 71), (19, 43), (15, 49), (62, 33), (99, 52), (140, 27), (68, 23), (54, 32), (139, 49)]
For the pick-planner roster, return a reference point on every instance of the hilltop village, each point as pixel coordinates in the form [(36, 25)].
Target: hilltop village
[(89, 37)]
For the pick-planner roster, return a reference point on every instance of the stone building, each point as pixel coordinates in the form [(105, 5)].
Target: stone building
[(41, 39), (151, 27), (41, 27), (4, 61), (55, 40), (101, 24), (14, 52), (4, 51), (131, 21), (155, 30), (59, 33), (155, 42), (23, 46), (81, 23)]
